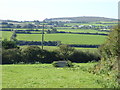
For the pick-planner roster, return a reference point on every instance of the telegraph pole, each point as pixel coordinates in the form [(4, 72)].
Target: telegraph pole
[(42, 36)]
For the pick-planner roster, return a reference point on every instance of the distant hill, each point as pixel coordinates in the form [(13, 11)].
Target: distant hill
[(82, 19)]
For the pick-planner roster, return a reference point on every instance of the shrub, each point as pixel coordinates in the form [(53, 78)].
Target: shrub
[(10, 56), (110, 57), (69, 63), (9, 44), (83, 57), (32, 54), (49, 56)]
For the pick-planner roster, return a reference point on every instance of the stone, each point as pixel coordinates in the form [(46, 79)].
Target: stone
[(62, 63)]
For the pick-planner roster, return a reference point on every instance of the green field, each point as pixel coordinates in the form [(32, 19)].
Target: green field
[(82, 31), (92, 23), (6, 34), (46, 76), (65, 38)]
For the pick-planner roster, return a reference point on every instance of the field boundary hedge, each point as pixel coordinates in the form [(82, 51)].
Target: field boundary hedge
[(53, 43)]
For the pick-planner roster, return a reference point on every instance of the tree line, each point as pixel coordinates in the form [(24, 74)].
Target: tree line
[(13, 54)]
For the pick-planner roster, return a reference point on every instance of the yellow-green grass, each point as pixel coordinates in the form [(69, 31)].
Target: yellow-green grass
[(94, 23), (6, 34), (82, 31), (86, 49), (65, 38), (47, 76)]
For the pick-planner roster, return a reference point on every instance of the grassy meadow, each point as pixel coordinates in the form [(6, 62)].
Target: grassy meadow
[(47, 76), (93, 23), (82, 31), (6, 34), (65, 38)]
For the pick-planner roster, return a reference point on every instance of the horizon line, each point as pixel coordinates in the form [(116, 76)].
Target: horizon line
[(58, 17)]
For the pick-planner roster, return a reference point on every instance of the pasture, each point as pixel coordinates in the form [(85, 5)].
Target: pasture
[(65, 38), (6, 34), (47, 76), (82, 31), (93, 23)]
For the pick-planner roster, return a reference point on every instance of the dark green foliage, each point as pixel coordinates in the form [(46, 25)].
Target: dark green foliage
[(83, 57), (65, 51), (110, 51), (32, 54), (10, 56), (8, 44), (69, 63), (110, 58), (49, 56)]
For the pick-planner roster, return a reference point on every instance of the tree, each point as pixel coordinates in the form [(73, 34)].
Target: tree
[(32, 54), (10, 56), (8, 44), (65, 51)]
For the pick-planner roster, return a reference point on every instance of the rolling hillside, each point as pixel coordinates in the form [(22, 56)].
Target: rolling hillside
[(82, 19)]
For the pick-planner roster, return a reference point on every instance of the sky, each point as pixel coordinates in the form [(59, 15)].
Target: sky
[(30, 10)]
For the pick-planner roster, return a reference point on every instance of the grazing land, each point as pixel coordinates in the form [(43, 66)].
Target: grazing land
[(47, 76), (65, 38), (60, 30), (82, 31), (30, 66), (6, 35)]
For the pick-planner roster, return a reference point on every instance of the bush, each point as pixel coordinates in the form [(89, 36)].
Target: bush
[(32, 54), (110, 57), (83, 57), (8, 44), (49, 56), (11, 56)]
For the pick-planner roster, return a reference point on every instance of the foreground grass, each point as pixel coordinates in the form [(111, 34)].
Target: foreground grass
[(46, 76)]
